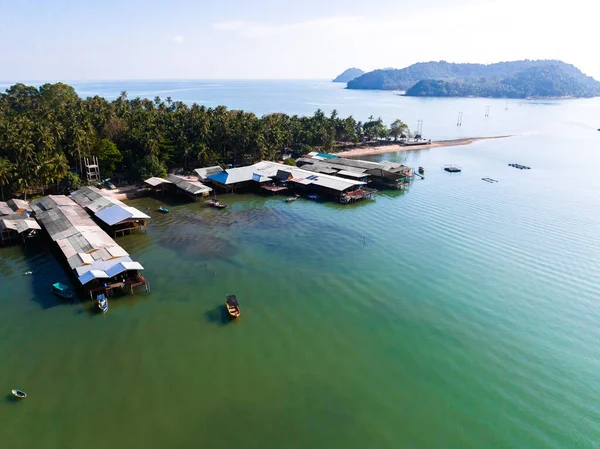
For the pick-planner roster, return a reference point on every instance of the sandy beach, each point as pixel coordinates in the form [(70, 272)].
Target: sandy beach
[(392, 148)]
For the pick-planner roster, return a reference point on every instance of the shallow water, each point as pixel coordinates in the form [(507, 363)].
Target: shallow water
[(456, 314)]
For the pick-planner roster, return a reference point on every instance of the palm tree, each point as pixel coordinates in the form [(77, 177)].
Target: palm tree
[(6, 172), (58, 167)]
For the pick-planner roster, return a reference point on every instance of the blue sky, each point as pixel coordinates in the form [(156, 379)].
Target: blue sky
[(134, 39)]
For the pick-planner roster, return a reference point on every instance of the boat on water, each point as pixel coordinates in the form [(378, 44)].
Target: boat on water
[(217, 204), (313, 196), (102, 303), (19, 394), (62, 290), (520, 167), (452, 168), (164, 210), (291, 199), (233, 308)]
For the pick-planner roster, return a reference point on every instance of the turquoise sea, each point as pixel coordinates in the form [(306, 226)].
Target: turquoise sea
[(456, 314)]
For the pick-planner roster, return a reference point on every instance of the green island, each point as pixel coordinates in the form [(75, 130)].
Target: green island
[(348, 75), (515, 79), (47, 132)]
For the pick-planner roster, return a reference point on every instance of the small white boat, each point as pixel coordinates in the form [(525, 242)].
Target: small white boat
[(102, 303), (19, 394)]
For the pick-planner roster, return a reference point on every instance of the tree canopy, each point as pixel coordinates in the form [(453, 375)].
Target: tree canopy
[(46, 132)]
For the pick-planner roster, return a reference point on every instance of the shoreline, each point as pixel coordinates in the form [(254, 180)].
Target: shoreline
[(393, 148)]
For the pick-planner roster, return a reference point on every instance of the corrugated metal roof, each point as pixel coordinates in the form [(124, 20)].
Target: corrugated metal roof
[(204, 172), (105, 207), (351, 174), (83, 243), (91, 275), (18, 205), (155, 181), (5, 209), (19, 222), (116, 213), (189, 186)]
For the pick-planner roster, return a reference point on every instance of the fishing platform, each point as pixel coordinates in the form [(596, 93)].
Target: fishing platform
[(114, 215), (94, 258)]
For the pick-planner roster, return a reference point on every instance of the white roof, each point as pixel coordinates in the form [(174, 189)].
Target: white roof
[(204, 172), (265, 170), (116, 213), (132, 265), (123, 266), (91, 275), (16, 223), (155, 181)]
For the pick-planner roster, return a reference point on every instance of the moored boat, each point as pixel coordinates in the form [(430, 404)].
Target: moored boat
[(217, 204), (291, 199), (164, 210), (62, 290), (102, 303), (19, 394), (452, 168), (233, 308), (313, 196)]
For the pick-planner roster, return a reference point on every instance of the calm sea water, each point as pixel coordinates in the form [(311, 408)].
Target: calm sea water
[(457, 314)]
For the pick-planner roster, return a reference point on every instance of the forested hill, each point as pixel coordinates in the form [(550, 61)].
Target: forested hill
[(348, 75), (535, 82), (519, 79)]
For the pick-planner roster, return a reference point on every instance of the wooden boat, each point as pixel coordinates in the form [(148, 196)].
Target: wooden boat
[(233, 308), (452, 169), (19, 394), (102, 303), (62, 290), (164, 210), (215, 203)]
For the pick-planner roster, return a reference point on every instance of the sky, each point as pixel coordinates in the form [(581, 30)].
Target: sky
[(69, 40)]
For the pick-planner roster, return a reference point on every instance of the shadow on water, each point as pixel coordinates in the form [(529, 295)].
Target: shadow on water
[(169, 200), (11, 399), (218, 316), (392, 193), (42, 261)]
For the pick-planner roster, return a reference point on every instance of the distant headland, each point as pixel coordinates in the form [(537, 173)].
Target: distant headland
[(515, 79), (348, 75)]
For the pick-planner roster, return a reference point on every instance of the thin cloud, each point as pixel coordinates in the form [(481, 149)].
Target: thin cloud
[(259, 30), (178, 39)]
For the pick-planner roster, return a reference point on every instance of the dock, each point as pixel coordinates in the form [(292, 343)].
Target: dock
[(94, 258), (273, 188), (377, 174), (274, 177)]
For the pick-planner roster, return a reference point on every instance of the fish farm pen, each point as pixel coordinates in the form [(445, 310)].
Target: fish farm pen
[(94, 258)]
